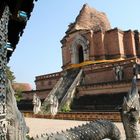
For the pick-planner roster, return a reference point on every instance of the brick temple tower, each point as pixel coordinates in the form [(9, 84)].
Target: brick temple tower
[(108, 59)]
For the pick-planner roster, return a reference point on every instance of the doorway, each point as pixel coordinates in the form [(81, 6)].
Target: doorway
[(80, 54)]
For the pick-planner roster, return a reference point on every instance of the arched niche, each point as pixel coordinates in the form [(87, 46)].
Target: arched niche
[(79, 50)]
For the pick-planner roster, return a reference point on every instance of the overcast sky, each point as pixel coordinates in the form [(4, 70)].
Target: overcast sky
[(39, 49)]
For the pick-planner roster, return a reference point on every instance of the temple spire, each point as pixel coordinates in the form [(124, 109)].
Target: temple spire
[(90, 19)]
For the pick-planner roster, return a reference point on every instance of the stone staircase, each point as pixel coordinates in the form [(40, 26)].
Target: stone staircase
[(69, 95), (65, 87)]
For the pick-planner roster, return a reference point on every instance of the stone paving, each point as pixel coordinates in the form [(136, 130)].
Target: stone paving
[(39, 126)]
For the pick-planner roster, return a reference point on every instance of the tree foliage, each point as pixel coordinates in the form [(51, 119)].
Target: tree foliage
[(18, 94), (10, 74), (11, 77)]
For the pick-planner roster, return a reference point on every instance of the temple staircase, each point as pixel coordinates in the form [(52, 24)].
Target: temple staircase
[(65, 88)]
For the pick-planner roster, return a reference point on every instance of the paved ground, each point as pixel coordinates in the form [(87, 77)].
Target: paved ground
[(39, 126)]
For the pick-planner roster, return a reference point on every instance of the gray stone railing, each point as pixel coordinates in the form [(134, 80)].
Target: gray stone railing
[(67, 99), (59, 90)]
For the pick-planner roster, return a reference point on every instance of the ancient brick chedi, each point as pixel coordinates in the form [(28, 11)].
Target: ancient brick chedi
[(96, 41), (108, 59), (89, 19)]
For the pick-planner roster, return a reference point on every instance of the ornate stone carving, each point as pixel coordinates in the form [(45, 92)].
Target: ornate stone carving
[(37, 104), (119, 73), (131, 112), (12, 123), (3, 79), (53, 105), (16, 129), (97, 130)]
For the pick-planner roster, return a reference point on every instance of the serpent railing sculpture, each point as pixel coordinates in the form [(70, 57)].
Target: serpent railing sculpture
[(97, 130), (131, 112)]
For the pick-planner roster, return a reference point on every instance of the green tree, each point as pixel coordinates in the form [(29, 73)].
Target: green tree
[(18, 94), (11, 77), (10, 74)]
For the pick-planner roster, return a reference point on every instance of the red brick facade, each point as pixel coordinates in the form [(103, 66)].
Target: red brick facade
[(111, 44), (102, 52), (103, 45)]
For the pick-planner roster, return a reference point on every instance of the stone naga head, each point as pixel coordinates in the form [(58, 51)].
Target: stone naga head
[(131, 105)]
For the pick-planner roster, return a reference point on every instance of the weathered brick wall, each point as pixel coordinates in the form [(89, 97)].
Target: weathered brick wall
[(111, 44), (128, 73), (137, 41), (66, 53), (121, 44), (42, 94), (97, 49), (129, 44), (47, 81), (94, 74), (92, 77)]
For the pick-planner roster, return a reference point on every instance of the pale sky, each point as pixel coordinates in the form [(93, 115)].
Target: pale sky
[(39, 49)]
